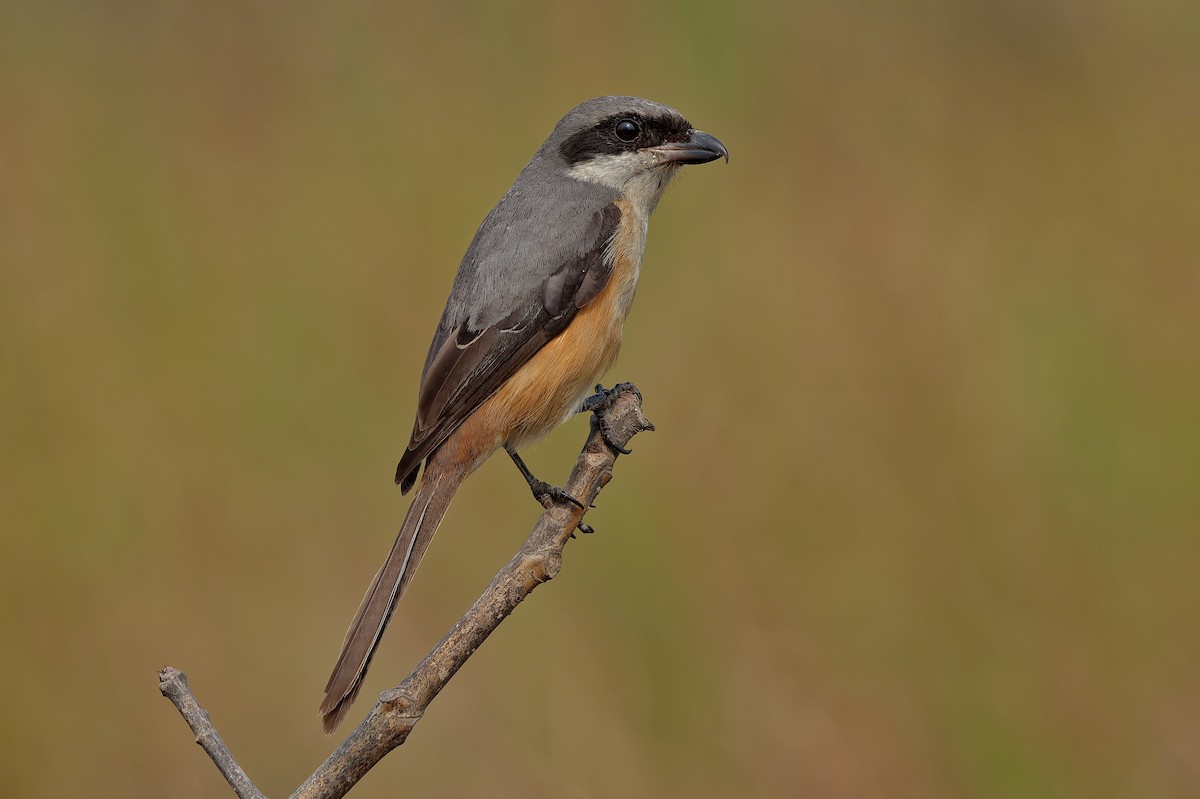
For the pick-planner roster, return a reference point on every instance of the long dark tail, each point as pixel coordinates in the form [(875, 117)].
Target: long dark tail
[(424, 515)]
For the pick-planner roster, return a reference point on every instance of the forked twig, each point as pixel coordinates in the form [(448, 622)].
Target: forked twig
[(618, 417)]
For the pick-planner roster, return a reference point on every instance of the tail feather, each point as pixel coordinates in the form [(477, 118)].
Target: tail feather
[(392, 579)]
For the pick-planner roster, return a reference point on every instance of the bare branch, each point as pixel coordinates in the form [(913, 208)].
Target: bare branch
[(618, 417), (174, 686)]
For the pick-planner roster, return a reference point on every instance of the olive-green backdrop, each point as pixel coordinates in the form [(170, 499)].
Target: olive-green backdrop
[(921, 515)]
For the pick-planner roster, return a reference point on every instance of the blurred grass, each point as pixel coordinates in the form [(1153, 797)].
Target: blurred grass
[(920, 517)]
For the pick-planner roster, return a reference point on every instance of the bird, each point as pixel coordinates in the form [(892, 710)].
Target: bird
[(533, 320)]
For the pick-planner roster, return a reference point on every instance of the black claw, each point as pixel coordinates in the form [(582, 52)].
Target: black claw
[(606, 434), (609, 440), (602, 400), (547, 494)]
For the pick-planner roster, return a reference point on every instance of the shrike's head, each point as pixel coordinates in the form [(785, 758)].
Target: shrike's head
[(628, 144)]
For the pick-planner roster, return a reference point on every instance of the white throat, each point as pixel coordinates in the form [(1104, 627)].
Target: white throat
[(641, 178)]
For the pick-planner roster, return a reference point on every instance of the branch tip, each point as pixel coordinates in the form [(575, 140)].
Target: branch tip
[(617, 418)]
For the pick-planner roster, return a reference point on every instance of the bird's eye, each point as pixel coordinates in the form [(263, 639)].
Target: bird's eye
[(628, 130)]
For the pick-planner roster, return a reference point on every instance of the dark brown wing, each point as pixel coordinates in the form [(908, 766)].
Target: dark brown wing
[(465, 366)]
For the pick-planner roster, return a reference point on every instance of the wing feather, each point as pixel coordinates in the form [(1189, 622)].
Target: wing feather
[(467, 364)]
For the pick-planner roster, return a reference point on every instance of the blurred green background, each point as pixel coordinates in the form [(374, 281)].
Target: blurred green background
[(920, 518)]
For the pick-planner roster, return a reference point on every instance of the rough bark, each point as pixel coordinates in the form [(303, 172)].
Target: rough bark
[(618, 417)]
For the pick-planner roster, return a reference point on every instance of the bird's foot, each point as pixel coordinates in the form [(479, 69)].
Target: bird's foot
[(549, 495), (601, 401)]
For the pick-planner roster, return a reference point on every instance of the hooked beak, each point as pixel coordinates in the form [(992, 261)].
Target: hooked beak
[(700, 148)]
